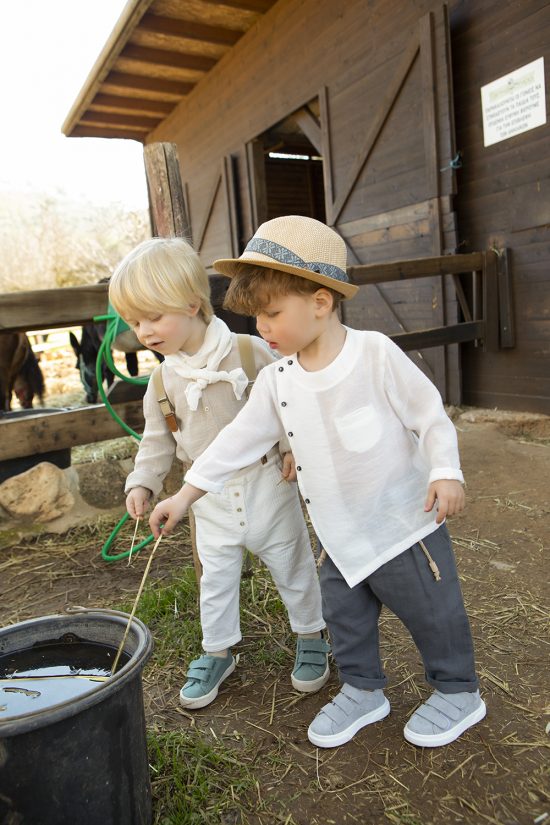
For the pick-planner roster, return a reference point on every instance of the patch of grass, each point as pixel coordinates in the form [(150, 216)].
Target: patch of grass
[(172, 614), (196, 782)]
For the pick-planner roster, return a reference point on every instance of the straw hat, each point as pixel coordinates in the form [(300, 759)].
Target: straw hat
[(297, 245)]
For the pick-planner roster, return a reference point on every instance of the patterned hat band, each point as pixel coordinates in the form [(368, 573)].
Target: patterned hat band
[(285, 256)]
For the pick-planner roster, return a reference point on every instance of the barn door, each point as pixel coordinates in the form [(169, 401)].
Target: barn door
[(388, 150)]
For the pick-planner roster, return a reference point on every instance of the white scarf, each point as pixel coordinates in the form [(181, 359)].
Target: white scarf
[(201, 368)]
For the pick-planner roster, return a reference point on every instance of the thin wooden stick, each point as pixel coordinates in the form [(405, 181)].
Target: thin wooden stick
[(133, 542), (132, 614)]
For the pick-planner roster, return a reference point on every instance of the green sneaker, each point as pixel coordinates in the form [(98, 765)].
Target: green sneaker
[(204, 678), (311, 669)]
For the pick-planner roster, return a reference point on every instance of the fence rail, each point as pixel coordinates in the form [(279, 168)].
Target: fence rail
[(488, 321)]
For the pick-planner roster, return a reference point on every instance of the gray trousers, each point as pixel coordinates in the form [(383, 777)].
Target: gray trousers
[(432, 611)]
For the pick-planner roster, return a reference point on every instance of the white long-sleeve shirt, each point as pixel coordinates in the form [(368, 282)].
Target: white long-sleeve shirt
[(368, 433)]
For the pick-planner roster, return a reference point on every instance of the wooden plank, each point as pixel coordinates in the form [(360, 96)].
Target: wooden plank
[(231, 204), (109, 132), (429, 118), (440, 336), (256, 181), (166, 202), (134, 104), (310, 127), (51, 308), (418, 268), (209, 207), (505, 300), (40, 433), (139, 122), (398, 79), (326, 148), (489, 289), (146, 83), (189, 30), (165, 57)]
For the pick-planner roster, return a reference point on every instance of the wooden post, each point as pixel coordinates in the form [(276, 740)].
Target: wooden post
[(170, 219), (166, 197)]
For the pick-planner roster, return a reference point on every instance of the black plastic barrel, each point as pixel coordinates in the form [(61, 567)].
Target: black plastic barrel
[(85, 760)]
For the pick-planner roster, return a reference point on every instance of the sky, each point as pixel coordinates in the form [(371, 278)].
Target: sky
[(47, 49)]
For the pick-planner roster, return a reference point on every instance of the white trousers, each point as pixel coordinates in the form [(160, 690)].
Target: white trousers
[(255, 513)]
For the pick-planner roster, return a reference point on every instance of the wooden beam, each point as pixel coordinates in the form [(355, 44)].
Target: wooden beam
[(132, 104), (489, 289), (109, 132), (165, 57), (505, 299), (259, 6), (148, 84), (118, 119), (310, 127), (255, 164), (40, 433), (417, 268), (439, 336), (189, 30), (51, 308)]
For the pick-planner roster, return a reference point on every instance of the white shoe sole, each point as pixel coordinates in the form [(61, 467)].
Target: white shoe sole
[(203, 701), (334, 739), (436, 740), (313, 685)]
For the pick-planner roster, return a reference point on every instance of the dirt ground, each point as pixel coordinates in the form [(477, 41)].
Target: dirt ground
[(496, 773)]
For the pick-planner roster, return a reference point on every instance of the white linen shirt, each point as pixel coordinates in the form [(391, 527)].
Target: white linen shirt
[(368, 433)]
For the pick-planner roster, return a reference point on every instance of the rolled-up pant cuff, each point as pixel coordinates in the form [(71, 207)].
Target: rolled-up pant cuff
[(454, 687), (362, 682)]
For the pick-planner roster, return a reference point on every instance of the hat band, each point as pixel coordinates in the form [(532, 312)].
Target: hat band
[(286, 256)]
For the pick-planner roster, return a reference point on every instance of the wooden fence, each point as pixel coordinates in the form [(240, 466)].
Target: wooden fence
[(487, 317)]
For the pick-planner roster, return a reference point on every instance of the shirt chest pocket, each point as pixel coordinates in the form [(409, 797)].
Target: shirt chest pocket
[(359, 430)]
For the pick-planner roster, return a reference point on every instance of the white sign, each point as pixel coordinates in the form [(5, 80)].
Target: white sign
[(514, 103)]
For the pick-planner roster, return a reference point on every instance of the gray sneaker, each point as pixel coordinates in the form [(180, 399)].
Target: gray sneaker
[(349, 711), (443, 718)]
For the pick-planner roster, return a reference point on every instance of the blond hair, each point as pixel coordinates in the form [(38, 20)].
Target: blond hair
[(252, 288), (161, 274)]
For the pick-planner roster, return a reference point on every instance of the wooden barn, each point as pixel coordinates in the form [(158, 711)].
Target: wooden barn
[(418, 130)]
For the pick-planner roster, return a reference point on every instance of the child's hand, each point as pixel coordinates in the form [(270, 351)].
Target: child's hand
[(450, 498), (289, 467), (169, 512), (137, 501)]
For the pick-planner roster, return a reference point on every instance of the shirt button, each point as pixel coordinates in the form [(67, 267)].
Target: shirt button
[(235, 494), (290, 363), (290, 435), (307, 501), (241, 523), (239, 509), (283, 403), (281, 369), (206, 409), (298, 468)]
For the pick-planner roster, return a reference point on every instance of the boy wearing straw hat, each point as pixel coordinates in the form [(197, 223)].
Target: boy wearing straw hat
[(378, 469), (162, 290)]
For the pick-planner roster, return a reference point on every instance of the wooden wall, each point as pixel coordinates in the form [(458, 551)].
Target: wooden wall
[(401, 207), (504, 195)]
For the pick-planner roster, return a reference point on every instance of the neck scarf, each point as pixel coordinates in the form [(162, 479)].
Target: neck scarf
[(201, 368)]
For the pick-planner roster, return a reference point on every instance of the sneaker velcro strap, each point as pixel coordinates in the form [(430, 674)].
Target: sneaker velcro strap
[(200, 669), (444, 706)]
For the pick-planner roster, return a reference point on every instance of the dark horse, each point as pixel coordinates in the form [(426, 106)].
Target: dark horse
[(19, 371), (86, 351)]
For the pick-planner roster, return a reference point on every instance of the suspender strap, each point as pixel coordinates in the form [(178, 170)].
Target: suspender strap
[(164, 402), (248, 364)]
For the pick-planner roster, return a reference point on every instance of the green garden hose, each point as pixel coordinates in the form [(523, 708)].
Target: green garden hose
[(115, 325)]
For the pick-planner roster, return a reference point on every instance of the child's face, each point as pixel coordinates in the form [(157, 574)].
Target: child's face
[(289, 323), (169, 332)]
